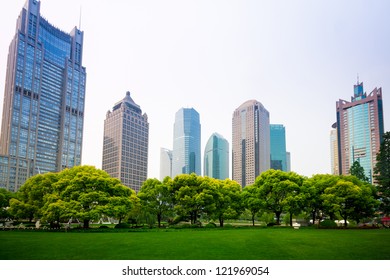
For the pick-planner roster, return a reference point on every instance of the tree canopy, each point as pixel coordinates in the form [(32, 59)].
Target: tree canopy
[(382, 173)]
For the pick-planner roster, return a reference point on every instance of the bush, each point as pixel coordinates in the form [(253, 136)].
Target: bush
[(271, 224), (210, 225), (328, 224), (122, 225), (103, 227)]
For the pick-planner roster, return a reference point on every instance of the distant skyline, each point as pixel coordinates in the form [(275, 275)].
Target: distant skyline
[(295, 57)]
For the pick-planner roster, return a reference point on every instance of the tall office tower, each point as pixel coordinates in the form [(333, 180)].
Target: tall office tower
[(360, 129), (216, 157), (186, 143), (288, 161), (251, 142), (278, 147), (334, 155), (43, 113), (125, 143), (165, 163)]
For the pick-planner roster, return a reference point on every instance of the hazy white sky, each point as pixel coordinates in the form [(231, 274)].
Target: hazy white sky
[(296, 57)]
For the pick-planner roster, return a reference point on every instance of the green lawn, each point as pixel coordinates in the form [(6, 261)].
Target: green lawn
[(186, 244)]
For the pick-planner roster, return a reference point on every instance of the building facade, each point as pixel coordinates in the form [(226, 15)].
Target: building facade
[(44, 96), (216, 157), (251, 142), (165, 163), (126, 143), (360, 130), (278, 147), (186, 156), (334, 154)]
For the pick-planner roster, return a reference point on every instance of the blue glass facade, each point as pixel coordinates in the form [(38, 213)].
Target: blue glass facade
[(360, 130), (278, 147), (44, 94), (186, 157), (216, 157)]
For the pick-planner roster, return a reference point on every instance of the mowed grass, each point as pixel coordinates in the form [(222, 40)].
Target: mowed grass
[(217, 244)]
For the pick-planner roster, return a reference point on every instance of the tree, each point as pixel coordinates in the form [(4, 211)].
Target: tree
[(350, 198), (382, 173), (90, 193), (227, 199), (30, 198), (5, 197), (156, 198), (279, 189), (191, 197), (358, 171), (314, 188), (251, 201)]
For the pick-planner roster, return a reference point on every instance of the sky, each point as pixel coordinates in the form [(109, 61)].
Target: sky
[(295, 57)]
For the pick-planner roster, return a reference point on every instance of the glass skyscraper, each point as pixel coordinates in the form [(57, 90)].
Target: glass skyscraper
[(216, 157), (43, 113), (125, 143), (186, 156), (278, 147), (165, 163), (360, 130), (251, 142)]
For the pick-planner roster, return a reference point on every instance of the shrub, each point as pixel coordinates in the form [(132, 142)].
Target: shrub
[(328, 224), (122, 225), (210, 225), (103, 227)]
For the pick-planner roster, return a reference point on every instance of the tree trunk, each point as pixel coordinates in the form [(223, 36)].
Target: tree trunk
[(86, 224), (220, 221), (253, 219), (277, 213), (159, 220), (314, 217), (291, 218)]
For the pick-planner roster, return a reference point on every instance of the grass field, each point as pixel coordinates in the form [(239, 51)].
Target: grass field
[(187, 244)]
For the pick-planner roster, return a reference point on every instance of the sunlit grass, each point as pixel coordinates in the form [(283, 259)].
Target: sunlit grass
[(194, 244)]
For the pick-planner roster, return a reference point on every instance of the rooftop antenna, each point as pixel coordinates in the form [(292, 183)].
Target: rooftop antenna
[(357, 78), (80, 19)]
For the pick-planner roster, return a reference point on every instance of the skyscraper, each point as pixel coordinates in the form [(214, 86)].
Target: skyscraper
[(334, 155), (43, 113), (251, 142), (278, 147), (186, 157), (165, 163), (360, 129), (216, 157), (126, 142)]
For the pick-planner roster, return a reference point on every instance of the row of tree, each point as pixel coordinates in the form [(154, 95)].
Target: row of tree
[(86, 193)]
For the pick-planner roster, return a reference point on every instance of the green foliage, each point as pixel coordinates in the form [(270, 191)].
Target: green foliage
[(328, 224), (156, 198), (350, 197), (382, 173), (122, 225), (281, 191), (358, 171), (210, 225), (5, 197)]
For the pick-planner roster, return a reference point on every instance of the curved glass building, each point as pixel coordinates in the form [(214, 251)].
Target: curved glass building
[(186, 157), (216, 157), (44, 97)]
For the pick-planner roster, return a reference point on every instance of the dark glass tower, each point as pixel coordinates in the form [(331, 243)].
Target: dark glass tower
[(44, 97)]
